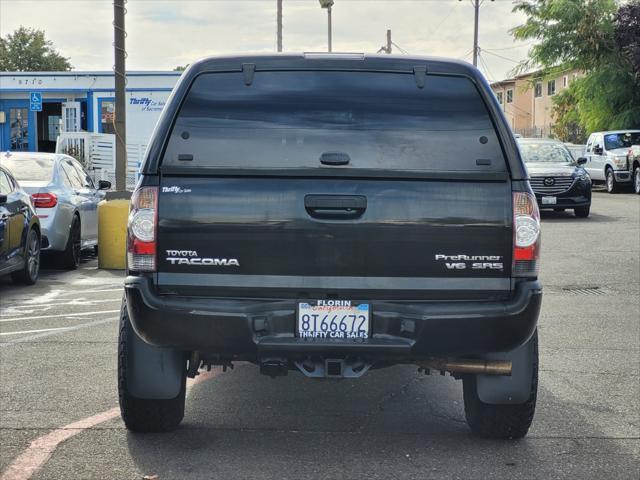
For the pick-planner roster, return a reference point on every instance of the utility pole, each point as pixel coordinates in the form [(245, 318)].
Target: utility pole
[(279, 25), (476, 49), (120, 123), (386, 49), (475, 33)]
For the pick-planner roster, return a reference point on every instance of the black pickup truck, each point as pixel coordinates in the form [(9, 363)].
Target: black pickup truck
[(330, 214)]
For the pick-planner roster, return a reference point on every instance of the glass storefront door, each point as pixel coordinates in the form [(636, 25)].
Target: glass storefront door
[(19, 129)]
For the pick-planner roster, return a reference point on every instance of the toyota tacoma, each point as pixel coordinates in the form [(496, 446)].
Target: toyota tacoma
[(332, 214)]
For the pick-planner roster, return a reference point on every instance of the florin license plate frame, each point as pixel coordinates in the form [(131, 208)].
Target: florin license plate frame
[(333, 320)]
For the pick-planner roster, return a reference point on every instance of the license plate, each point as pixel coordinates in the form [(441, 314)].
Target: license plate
[(549, 200), (333, 319)]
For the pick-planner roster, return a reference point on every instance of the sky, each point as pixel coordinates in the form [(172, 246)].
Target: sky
[(163, 34)]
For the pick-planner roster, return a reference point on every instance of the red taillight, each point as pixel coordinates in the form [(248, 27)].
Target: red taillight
[(141, 236), (526, 235), (44, 200)]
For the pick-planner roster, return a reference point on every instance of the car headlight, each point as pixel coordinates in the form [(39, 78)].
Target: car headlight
[(582, 175), (620, 161)]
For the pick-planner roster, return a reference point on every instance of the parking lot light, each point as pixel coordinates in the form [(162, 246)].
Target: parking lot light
[(328, 4)]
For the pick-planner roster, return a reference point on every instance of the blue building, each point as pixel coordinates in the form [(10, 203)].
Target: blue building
[(76, 101)]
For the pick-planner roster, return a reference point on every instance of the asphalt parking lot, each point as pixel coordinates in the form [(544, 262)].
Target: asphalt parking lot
[(58, 388)]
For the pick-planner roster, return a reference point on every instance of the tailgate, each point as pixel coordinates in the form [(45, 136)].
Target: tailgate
[(298, 237), (321, 184)]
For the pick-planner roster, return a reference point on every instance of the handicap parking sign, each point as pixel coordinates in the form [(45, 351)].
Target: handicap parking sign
[(35, 101)]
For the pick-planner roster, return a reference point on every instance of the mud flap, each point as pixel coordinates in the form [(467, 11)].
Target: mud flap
[(516, 389), (153, 372)]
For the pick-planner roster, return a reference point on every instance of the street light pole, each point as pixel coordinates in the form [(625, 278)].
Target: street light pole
[(329, 28), (279, 22), (328, 4)]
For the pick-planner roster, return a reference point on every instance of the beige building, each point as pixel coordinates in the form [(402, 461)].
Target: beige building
[(527, 102)]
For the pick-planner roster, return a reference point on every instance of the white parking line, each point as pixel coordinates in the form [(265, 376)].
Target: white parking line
[(34, 331), (78, 302), (35, 336), (42, 448), (121, 289), (57, 315)]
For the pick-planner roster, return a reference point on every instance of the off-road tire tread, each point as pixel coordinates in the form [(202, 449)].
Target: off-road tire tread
[(144, 415), (500, 421)]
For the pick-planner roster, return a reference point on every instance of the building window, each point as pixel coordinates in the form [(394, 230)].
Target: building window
[(565, 81), (53, 127), (509, 96), (551, 87), (537, 89), (499, 97), (108, 116)]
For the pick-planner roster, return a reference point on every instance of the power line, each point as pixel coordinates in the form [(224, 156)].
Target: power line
[(399, 48), (488, 73), (510, 48), (500, 56)]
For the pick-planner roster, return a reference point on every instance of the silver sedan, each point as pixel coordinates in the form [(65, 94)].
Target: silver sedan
[(65, 199)]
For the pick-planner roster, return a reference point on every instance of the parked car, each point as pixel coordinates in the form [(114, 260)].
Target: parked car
[(65, 199), (634, 166), (576, 151), (19, 231), (607, 156), (558, 181), (378, 214)]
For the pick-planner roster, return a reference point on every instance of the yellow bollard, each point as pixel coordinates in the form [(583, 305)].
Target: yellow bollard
[(112, 234)]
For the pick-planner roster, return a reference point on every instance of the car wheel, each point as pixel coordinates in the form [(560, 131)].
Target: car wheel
[(142, 414), (29, 273), (500, 421), (612, 184), (636, 180), (582, 212), (71, 255)]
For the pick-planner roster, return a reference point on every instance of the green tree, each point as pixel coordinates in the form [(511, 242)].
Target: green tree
[(27, 50), (581, 34), (567, 126)]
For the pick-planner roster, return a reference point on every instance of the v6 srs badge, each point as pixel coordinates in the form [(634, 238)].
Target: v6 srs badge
[(471, 262), (191, 257)]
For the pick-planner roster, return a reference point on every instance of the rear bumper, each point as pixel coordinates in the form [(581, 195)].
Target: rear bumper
[(54, 229), (400, 331)]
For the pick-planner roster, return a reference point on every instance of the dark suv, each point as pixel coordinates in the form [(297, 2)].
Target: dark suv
[(331, 214)]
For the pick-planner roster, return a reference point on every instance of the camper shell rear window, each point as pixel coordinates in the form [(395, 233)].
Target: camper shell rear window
[(292, 119)]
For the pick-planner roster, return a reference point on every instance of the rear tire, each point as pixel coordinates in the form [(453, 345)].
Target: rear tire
[(28, 274), (141, 414), (500, 421), (582, 212), (612, 184), (70, 258)]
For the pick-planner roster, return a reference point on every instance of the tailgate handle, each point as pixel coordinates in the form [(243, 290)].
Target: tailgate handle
[(334, 158), (335, 206)]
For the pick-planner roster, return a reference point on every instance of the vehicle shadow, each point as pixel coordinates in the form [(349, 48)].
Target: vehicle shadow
[(392, 423), (567, 215)]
